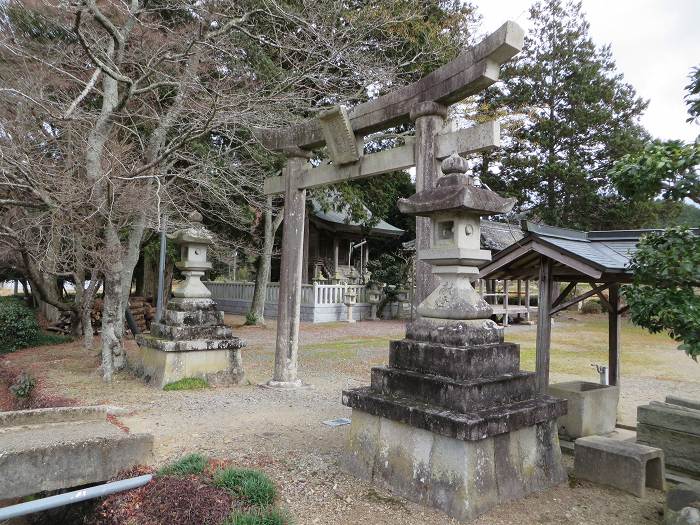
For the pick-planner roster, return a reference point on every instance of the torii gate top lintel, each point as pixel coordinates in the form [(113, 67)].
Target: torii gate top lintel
[(476, 68)]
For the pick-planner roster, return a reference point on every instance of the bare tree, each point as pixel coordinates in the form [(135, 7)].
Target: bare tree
[(113, 110)]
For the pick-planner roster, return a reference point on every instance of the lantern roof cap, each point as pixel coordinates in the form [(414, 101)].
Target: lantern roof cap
[(455, 192), (196, 233)]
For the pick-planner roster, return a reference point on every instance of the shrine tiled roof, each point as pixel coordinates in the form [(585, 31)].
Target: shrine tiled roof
[(342, 218)]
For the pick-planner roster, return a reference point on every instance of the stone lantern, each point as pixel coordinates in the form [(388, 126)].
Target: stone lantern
[(454, 208), (374, 295), (191, 340), (194, 242), (349, 301)]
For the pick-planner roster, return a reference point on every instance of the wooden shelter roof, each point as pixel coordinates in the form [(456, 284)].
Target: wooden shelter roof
[(601, 256)]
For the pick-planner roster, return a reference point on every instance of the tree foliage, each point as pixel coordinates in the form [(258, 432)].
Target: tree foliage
[(667, 169), (692, 97), (664, 295), (570, 116)]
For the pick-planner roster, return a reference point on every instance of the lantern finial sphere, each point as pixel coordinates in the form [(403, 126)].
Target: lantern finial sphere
[(454, 164)]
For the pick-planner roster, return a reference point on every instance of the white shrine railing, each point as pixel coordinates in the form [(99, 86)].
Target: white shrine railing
[(319, 302)]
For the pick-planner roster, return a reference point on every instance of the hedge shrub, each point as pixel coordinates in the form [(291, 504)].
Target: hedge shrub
[(18, 325)]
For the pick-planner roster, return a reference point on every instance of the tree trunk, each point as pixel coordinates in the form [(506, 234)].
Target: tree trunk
[(262, 277), (88, 301), (112, 323)]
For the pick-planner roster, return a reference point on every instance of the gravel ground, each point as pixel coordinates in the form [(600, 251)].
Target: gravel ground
[(282, 432)]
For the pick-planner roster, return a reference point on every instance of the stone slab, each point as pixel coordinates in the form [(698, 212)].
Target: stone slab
[(194, 318), (37, 455), (454, 394), (462, 478), (621, 464), (191, 332), (470, 426), (15, 418), (189, 345), (681, 449), (592, 408), (455, 362), (671, 417), (683, 402)]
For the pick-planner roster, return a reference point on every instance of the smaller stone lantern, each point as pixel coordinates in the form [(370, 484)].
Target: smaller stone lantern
[(191, 340), (374, 296), (349, 301), (194, 242)]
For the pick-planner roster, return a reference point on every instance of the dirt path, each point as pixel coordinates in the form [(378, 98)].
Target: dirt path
[(282, 432)]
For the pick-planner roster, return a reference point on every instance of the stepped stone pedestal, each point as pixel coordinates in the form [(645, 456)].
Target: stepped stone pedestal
[(191, 340), (452, 422)]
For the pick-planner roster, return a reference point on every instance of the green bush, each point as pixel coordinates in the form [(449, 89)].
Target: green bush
[(259, 517), (253, 486), (591, 307), (188, 383), (23, 386), (18, 326), (190, 464), (251, 319)]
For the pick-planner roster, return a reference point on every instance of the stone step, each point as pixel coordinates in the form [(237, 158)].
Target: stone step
[(191, 332), (455, 362), (453, 394), (469, 426), (193, 317), (189, 345)]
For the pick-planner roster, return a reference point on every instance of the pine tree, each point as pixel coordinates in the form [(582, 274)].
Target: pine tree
[(571, 116)]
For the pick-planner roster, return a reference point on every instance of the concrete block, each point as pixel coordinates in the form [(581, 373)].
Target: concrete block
[(673, 428), (683, 505), (592, 408), (621, 464), (61, 450)]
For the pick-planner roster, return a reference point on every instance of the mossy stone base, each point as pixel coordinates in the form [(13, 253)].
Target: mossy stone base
[(462, 478), (216, 367)]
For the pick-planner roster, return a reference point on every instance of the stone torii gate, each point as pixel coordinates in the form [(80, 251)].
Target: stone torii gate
[(424, 103)]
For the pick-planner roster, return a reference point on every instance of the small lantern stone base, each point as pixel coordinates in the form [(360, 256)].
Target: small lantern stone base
[(192, 341)]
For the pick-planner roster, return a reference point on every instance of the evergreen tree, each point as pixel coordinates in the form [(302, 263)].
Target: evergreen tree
[(571, 115)]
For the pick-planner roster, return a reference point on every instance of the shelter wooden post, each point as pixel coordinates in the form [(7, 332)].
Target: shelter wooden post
[(527, 300), (289, 303), (614, 335), (305, 262), (506, 289), (336, 248), (429, 118), (544, 325)]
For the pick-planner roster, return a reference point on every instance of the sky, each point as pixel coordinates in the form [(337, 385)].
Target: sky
[(654, 42)]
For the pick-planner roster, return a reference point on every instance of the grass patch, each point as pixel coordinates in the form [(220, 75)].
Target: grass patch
[(53, 339), (190, 464), (259, 517), (188, 383), (253, 486)]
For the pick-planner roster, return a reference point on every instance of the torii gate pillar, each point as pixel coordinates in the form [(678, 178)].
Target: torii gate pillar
[(289, 301), (429, 118)]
